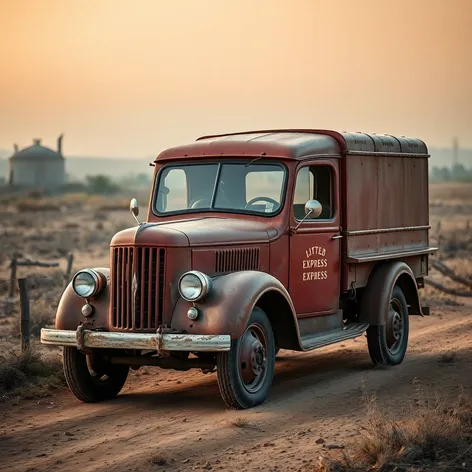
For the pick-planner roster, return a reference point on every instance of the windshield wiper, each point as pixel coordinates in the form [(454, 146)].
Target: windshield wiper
[(255, 159)]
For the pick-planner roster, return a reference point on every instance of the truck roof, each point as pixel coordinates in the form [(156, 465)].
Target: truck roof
[(297, 144)]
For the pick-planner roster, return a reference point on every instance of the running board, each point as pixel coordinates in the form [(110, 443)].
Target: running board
[(314, 341)]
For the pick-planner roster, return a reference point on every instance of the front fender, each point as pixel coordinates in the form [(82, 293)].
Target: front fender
[(375, 298), (68, 314), (228, 306)]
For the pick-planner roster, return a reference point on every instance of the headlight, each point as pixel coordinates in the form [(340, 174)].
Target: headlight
[(194, 286), (87, 283)]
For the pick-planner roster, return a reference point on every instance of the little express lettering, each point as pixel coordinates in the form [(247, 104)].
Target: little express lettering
[(315, 259)]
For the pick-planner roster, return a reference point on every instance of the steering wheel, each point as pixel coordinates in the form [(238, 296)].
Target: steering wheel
[(201, 203), (266, 199)]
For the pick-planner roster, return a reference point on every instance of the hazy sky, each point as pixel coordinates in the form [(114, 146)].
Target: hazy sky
[(129, 78)]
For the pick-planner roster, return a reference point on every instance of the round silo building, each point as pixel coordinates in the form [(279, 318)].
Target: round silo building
[(38, 166)]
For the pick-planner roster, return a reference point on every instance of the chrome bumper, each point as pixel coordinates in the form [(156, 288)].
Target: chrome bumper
[(151, 341)]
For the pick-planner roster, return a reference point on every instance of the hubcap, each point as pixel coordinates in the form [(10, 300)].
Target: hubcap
[(395, 326), (252, 358)]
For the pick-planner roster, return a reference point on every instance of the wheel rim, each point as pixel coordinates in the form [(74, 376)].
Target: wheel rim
[(252, 358), (395, 326), (98, 372)]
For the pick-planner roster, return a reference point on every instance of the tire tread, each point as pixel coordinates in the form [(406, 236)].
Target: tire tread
[(81, 383)]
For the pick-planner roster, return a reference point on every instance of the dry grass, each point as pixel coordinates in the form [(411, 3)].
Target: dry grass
[(41, 316), (240, 422), (447, 192), (30, 205), (436, 436), (447, 357), (30, 374), (158, 459)]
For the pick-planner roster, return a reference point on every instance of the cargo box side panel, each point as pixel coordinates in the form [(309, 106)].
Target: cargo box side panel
[(361, 174), (386, 204)]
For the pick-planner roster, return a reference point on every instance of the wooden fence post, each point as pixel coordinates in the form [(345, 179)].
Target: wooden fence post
[(70, 261), (11, 288), (25, 314)]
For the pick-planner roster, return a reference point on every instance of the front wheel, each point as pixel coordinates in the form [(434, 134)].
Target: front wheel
[(90, 378), (245, 372), (387, 343)]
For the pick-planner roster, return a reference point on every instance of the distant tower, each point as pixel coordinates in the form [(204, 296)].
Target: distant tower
[(455, 152)]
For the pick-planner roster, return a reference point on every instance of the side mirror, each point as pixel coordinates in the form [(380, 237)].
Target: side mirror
[(134, 209), (313, 208)]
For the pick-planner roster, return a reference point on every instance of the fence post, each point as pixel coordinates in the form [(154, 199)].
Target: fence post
[(70, 261), (11, 289), (25, 314)]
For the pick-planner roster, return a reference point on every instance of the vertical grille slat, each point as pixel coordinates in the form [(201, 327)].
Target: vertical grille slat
[(148, 283), (160, 288), (231, 260), (122, 286), (129, 287), (139, 303), (153, 287), (147, 266), (114, 288)]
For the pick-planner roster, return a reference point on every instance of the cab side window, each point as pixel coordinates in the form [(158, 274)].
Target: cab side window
[(314, 183)]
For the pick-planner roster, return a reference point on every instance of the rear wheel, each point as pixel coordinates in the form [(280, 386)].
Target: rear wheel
[(388, 343), (245, 372), (90, 378)]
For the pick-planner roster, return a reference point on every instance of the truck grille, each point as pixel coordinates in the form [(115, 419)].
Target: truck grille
[(138, 304), (230, 260)]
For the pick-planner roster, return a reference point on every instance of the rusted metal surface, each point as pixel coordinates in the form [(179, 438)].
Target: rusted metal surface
[(379, 212), (137, 288), (376, 297), (80, 337), (390, 255), (317, 340), (293, 144), (113, 340), (381, 194), (315, 258), (230, 304), (385, 230), (68, 314)]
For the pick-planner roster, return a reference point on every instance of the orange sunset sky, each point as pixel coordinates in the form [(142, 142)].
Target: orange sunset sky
[(129, 78)]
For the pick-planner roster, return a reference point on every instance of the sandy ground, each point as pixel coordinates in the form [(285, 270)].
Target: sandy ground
[(179, 422)]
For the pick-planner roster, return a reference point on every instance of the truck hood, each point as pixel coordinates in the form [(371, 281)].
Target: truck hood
[(196, 232)]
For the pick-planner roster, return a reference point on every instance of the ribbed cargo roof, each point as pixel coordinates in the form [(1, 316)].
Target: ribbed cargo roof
[(296, 144)]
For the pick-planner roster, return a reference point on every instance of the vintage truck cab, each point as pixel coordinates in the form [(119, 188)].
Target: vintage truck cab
[(254, 242)]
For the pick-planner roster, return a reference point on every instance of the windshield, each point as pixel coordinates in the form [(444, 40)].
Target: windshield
[(240, 187)]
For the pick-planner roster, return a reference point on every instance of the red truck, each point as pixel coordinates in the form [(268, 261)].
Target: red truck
[(254, 242)]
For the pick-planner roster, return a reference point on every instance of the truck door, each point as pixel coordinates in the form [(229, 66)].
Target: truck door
[(314, 277)]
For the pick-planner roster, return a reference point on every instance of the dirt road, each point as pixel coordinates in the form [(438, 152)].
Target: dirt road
[(167, 420)]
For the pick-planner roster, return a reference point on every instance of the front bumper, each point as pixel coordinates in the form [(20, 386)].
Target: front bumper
[(152, 341)]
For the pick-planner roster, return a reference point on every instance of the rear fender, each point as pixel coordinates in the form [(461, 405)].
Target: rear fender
[(375, 298), (229, 304), (68, 314)]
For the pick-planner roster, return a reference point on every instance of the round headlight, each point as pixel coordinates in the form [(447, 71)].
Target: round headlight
[(194, 286), (86, 283)]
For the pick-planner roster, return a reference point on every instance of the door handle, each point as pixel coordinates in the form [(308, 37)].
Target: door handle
[(339, 236)]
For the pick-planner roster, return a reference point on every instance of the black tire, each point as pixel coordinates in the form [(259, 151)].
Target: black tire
[(88, 386), (388, 343), (234, 372)]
